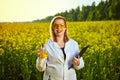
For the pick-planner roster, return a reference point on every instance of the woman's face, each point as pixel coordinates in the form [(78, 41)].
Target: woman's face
[(59, 27)]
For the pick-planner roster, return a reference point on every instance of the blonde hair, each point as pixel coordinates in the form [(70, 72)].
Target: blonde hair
[(53, 36)]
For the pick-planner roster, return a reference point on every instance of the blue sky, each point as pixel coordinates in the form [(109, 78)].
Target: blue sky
[(28, 10)]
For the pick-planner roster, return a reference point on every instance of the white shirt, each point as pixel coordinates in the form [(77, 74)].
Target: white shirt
[(55, 66)]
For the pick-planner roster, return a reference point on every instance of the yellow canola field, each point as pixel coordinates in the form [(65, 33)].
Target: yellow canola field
[(19, 43)]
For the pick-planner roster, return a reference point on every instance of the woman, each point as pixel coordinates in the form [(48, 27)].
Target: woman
[(61, 52)]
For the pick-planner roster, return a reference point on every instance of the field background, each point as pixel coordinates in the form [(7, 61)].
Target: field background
[(19, 43)]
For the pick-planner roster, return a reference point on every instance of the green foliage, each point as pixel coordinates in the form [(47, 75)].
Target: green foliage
[(105, 10), (19, 43)]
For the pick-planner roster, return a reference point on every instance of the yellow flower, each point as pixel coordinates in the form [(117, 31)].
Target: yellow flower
[(43, 54)]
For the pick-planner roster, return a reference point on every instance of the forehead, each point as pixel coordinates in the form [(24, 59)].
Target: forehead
[(59, 21)]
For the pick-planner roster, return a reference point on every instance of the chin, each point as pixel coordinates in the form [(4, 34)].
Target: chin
[(60, 34)]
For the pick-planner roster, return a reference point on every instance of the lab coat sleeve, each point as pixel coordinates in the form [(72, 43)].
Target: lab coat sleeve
[(81, 65), (41, 64)]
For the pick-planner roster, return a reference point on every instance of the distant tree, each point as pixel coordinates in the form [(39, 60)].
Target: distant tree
[(76, 14), (113, 9), (66, 13), (100, 11), (91, 14), (105, 10), (85, 12)]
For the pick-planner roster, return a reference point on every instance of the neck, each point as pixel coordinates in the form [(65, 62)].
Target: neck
[(60, 38), (60, 41)]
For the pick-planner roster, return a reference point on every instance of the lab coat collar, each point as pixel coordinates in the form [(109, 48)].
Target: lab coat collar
[(56, 45), (61, 59)]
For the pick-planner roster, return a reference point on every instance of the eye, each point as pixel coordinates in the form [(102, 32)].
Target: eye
[(55, 26), (62, 24)]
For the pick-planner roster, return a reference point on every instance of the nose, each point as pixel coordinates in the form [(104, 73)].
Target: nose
[(59, 26)]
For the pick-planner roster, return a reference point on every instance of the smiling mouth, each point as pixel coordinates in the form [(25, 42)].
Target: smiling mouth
[(59, 31)]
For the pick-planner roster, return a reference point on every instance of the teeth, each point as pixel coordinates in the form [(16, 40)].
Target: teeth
[(59, 31)]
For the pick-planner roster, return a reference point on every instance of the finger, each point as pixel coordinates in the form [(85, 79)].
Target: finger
[(39, 50), (76, 63), (78, 57), (75, 58)]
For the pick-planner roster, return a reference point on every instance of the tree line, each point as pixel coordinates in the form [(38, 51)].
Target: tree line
[(105, 10)]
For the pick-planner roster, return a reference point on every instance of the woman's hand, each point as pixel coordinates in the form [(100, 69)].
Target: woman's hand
[(40, 50), (76, 61), (42, 53)]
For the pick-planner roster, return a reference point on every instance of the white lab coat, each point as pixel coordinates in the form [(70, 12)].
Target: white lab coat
[(55, 67)]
